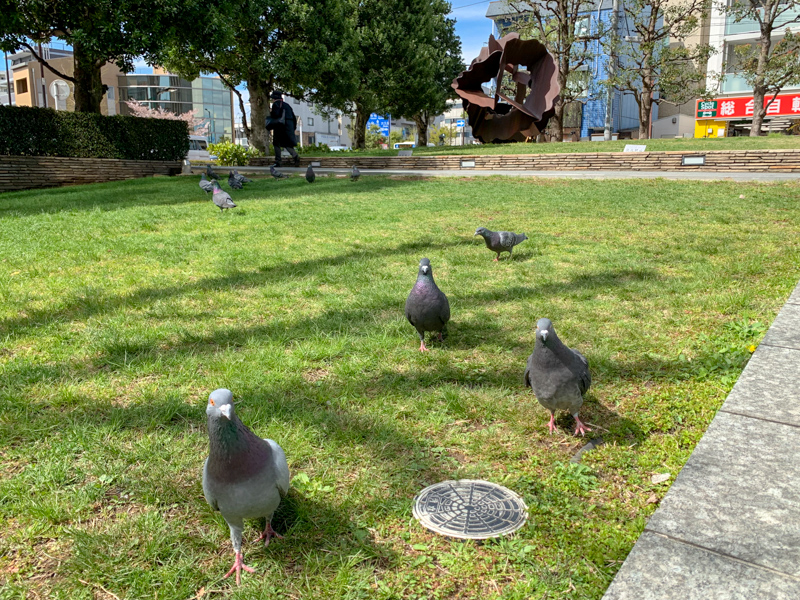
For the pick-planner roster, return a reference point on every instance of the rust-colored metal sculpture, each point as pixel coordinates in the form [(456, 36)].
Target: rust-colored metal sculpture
[(537, 88)]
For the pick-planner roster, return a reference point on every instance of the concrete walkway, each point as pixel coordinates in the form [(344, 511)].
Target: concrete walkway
[(729, 527), (704, 175)]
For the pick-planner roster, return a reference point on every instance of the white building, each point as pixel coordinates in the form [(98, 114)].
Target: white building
[(454, 120)]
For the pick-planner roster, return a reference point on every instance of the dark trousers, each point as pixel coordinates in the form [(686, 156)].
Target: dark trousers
[(292, 152)]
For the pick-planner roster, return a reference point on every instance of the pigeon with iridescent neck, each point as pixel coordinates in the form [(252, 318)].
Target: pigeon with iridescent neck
[(244, 476), (500, 241), (558, 375), (427, 308)]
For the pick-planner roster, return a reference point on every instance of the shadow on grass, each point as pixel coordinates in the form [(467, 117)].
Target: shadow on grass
[(170, 191)]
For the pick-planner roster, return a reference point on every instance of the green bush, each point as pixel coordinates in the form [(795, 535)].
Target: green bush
[(313, 148), (31, 131), (233, 155)]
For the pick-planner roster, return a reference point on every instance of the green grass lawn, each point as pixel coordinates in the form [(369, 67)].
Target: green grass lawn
[(124, 305), (770, 142)]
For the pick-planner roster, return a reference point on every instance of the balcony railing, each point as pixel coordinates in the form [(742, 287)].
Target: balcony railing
[(736, 84), (751, 25)]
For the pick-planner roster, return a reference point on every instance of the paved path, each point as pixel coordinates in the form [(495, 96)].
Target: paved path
[(729, 527), (705, 175)]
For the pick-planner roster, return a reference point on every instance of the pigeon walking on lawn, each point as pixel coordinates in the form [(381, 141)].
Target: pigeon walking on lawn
[(222, 198), (500, 241), (275, 173), (241, 178), (310, 175), (244, 477), (210, 173), (234, 183), (355, 174), (427, 308), (558, 375), (205, 184)]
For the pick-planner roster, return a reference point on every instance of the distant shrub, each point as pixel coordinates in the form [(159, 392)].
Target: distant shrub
[(31, 131), (233, 155), (312, 148)]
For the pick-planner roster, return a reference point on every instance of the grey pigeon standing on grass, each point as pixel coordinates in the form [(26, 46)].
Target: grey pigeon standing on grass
[(500, 241), (205, 184), (558, 375), (310, 175), (275, 173), (234, 183), (355, 173), (244, 476), (241, 178), (427, 308), (222, 198), (210, 173)]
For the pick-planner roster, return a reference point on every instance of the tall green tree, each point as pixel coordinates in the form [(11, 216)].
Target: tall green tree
[(769, 64), (99, 31), (302, 47), (432, 53), (655, 64)]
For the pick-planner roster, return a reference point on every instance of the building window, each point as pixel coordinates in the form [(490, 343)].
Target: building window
[(22, 86), (310, 121)]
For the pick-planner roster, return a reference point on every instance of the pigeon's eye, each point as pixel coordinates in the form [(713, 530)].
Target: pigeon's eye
[(211, 402)]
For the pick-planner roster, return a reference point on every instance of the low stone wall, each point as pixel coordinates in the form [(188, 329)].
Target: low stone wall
[(715, 160), (28, 172)]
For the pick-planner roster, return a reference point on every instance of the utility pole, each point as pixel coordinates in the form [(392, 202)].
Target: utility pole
[(612, 58), (8, 78), (44, 85)]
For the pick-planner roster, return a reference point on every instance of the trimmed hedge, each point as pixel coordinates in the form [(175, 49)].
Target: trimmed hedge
[(31, 131)]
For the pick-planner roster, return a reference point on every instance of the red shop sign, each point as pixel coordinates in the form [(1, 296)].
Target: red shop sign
[(741, 108)]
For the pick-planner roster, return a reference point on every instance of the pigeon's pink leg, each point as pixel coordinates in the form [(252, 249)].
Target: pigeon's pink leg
[(552, 423), (580, 427), (441, 337), (423, 347), (496, 258), (268, 533), (238, 565)]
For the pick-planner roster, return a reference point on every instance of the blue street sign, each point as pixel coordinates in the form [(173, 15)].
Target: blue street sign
[(382, 122), (460, 123)]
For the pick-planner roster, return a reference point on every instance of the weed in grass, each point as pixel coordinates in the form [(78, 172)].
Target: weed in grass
[(124, 304)]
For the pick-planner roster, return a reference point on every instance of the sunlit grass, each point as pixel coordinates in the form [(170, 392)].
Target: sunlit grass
[(125, 304)]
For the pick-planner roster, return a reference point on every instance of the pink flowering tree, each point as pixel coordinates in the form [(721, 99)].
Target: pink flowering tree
[(198, 125)]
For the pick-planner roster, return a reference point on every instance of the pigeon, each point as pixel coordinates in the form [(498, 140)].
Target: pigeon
[(244, 477), (427, 308), (210, 173), (275, 173), (558, 375), (310, 176), (205, 184), (355, 174), (241, 178), (222, 198), (500, 241), (234, 183)]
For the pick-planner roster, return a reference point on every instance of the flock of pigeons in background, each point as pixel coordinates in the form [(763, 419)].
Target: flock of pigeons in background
[(245, 476), (236, 181)]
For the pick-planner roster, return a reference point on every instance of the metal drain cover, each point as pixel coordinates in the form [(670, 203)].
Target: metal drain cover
[(470, 509)]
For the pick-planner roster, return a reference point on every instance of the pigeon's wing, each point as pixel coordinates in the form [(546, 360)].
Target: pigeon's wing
[(281, 467), (584, 377), (408, 311), (212, 501), (444, 315), (527, 376), (507, 239)]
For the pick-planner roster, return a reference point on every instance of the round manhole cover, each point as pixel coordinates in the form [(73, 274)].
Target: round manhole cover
[(470, 509)]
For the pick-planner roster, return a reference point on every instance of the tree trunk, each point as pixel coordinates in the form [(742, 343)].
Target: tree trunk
[(360, 128), (645, 110), (759, 89), (259, 109), (557, 121), (89, 88), (422, 129)]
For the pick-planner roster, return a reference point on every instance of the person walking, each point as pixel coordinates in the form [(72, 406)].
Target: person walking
[(282, 122)]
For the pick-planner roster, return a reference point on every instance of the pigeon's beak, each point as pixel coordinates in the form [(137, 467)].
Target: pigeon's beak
[(544, 335), (425, 269), (225, 409)]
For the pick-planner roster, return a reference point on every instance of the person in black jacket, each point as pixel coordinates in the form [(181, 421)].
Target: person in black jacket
[(282, 123)]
